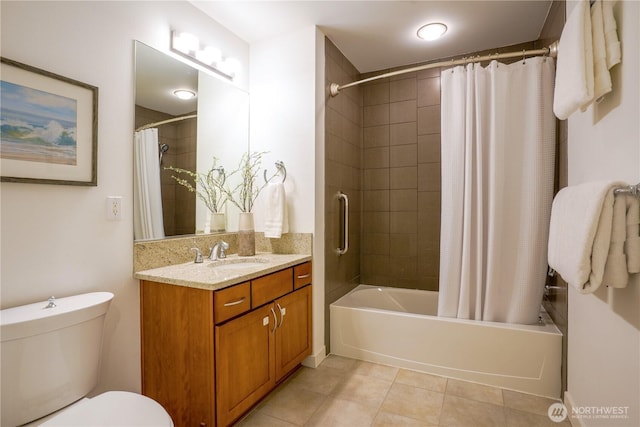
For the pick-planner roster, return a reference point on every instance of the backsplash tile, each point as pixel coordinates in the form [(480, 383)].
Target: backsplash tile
[(159, 253)]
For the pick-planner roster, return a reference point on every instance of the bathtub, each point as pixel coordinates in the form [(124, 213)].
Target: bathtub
[(399, 327)]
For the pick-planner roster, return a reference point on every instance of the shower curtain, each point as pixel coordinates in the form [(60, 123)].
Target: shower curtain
[(498, 158), (147, 197)]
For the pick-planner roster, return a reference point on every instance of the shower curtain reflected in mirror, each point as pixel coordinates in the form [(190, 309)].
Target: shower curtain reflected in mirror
[(498, 154), (147, 197)]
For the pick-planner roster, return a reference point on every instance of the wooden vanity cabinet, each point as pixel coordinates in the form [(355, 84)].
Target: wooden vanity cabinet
[(209, 356), (257, 350)]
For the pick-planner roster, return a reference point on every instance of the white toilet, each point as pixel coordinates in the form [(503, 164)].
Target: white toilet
[(50, 355)]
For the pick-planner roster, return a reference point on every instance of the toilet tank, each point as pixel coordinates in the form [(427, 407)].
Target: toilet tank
[(50, 357)]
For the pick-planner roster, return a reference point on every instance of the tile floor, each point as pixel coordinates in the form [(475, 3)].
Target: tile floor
[(348, 392)]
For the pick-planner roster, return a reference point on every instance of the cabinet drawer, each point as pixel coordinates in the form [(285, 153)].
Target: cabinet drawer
[(270, 287), (301, 275), (232, 301)]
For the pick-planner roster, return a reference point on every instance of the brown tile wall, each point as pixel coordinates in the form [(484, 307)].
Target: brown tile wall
[(401, 181), (343, 172), (181, 138)]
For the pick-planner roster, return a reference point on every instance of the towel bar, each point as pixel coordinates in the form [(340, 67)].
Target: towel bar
[(280, 169), (633, 190)]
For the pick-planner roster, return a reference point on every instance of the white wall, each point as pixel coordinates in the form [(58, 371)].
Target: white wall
[(283, 122), (55, 239), (282, 88), (604, 327)]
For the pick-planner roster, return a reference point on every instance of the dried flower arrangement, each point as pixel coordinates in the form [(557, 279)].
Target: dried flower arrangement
[(209, 186)]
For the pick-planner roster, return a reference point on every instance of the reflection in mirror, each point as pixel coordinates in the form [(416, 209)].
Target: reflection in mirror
[(221, 130)]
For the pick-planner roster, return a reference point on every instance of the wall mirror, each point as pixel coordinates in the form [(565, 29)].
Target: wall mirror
[(188, 134)]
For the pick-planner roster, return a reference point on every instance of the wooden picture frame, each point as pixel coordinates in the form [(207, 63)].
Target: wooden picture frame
[(48, 127)]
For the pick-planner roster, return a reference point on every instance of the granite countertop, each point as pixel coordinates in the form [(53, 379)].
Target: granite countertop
[(208, 275)]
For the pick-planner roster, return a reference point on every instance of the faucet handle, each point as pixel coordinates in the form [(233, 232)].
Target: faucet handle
[(198, 258), (51, 302), (223, 247)]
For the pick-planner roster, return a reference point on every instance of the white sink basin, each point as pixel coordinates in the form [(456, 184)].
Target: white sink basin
[(238, 263)]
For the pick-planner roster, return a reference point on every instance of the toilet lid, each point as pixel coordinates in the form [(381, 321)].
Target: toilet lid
[(113, 408)]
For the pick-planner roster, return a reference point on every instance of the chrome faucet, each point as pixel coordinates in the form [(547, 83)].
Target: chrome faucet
[(198, 258), (218, 251)]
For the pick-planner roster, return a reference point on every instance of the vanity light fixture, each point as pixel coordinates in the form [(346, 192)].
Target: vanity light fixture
[(188, 46), (432, 31), (184, 94)]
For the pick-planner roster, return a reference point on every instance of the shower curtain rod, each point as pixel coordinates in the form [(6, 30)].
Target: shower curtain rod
[(551, 51), (164, 122)]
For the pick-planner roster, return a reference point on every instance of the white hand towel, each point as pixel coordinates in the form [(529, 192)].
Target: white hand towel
[(614, 54), (632, 243), (276, 221), (580, 233), (574, 66), (615, 270), (601, 76)]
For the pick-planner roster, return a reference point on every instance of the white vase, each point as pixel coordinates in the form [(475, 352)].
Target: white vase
[(218, 222), (246, 235)]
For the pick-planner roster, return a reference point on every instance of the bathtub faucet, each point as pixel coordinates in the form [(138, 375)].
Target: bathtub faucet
[(218, 251)]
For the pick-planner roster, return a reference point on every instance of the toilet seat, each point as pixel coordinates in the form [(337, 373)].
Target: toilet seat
[(113, 408)]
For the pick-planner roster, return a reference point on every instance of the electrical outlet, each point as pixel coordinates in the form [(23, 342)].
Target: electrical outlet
[(114, 208)]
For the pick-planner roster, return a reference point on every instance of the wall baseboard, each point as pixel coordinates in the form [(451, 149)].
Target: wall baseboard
[(569, 404), (315, 360)]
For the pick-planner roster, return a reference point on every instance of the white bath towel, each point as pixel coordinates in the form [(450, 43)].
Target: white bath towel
[(601, 76), (574, 67), (614, 54), (276, 222), (580, 233), (615, 269), (632, 243)]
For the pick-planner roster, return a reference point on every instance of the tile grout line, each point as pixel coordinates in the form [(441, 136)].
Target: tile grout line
[(385, 398)]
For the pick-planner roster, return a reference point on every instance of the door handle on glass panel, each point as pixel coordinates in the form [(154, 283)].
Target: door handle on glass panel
[(345, 220)]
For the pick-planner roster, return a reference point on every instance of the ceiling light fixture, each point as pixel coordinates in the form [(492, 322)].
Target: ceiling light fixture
[(184, 94), (188, 46), (432, 31)]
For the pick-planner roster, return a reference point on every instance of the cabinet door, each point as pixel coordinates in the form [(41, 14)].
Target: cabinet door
[(293, 336), (245, 365)]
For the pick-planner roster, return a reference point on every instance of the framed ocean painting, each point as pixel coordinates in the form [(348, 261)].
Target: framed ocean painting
[(48, 127)]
